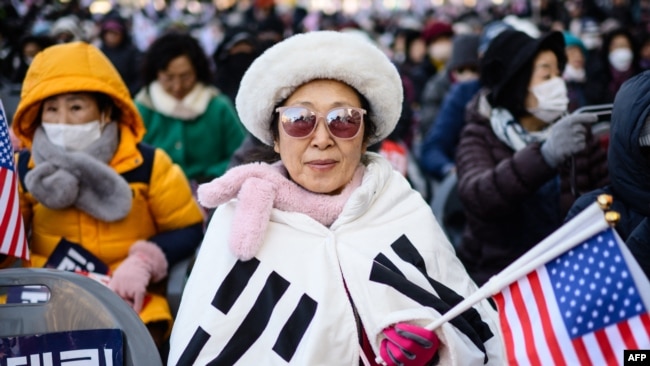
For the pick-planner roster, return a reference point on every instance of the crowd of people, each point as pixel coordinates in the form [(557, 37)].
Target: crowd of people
[(141, 154)]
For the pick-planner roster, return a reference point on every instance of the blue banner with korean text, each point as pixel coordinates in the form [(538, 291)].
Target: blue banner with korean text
[(96, 347)]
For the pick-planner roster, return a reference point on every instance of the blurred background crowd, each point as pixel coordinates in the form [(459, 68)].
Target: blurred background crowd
[(183, 61), (434, 43), (437, 46)]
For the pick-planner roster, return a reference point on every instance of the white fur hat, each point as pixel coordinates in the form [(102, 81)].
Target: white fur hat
[(349, 58)]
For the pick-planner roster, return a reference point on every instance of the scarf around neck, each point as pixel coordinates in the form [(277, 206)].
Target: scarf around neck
[(260, 187), (191, 106), (511, 132), (81, 179)]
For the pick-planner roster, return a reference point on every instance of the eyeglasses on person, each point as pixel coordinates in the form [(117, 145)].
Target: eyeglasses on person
[(300, 122)]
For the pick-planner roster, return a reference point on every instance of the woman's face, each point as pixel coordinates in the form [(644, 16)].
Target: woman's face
[(30, 50), (418, 50), (113, 38), (179, 78), (71, 109), (575, 57), (545, 67), (321, 163)]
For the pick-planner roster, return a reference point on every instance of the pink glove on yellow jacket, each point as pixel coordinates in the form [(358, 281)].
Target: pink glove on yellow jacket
[(146, 263)]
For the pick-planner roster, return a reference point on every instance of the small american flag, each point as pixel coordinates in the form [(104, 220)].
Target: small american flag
[(13, 240), (583, 308)]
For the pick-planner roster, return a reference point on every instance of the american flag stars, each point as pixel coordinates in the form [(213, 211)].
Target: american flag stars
[(592, 287), (6, 160)]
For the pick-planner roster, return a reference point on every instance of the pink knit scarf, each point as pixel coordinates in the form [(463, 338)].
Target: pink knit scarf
[(260, 187)]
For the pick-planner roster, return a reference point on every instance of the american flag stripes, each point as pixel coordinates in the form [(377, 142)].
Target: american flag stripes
[(582, 308), (11, 223)]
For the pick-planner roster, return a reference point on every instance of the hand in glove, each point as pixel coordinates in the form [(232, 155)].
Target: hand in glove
[(146, 263), (567, 136), (408, 345)]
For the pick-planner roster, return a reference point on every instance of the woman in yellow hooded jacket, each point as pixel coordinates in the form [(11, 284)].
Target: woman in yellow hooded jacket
[(93, 197)]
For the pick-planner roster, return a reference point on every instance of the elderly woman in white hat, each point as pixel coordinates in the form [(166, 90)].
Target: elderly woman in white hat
[(326, 256)]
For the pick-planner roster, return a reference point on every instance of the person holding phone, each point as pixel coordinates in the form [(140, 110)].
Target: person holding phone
[(521, 159)]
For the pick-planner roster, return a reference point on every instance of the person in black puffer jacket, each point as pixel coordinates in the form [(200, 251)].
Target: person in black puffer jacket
[(521, 160)]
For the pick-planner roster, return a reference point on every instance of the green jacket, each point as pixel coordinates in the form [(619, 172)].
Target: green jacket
[(201, 146)]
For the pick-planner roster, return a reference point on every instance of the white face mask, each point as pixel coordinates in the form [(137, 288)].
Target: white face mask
[(591, 41), (440, 51), (552, 99), (621, 59), (573, 74), (73, 137)]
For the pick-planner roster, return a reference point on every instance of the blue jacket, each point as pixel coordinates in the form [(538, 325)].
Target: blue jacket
[(439, 146), (629, 169)]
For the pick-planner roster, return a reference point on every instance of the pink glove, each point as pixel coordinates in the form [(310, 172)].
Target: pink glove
[(15, 142), (408, 345), (146, 262)]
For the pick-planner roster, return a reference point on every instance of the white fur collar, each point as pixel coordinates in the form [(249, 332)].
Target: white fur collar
[(191, 106)]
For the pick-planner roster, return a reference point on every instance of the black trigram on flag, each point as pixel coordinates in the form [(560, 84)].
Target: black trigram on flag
[(257, 318), (385, 272)]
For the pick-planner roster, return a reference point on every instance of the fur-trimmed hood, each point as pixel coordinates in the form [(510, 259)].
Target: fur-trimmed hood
[(345, 57), (72, 67)]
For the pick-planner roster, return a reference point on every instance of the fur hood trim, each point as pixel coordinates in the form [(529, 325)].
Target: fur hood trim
[(346, 57)]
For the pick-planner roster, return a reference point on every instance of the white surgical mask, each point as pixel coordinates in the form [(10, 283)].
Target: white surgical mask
[(591, 41), (574, 74), (552, 99), (73, 137), (621, 59), (440, 51)]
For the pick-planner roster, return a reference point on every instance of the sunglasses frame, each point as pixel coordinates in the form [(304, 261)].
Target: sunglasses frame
[(279, 110)]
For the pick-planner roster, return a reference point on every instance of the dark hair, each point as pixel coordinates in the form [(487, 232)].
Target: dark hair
[(514, 92), (634, 45), (170, 46), (42, 41), (104, 102)]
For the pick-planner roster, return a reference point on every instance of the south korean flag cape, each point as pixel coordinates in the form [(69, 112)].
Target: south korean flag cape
[(292, 303)]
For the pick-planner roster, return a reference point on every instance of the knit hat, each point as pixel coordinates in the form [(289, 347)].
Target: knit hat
[(304, 57), (572, 41), (68, 24), (113, 25), (644, 136), (464, 52), (435, 30), (510, 51)]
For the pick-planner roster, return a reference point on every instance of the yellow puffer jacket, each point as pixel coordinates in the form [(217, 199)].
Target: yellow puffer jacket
[(162, 204)]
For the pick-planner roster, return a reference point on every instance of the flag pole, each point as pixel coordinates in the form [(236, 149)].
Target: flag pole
[(582, 227)]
